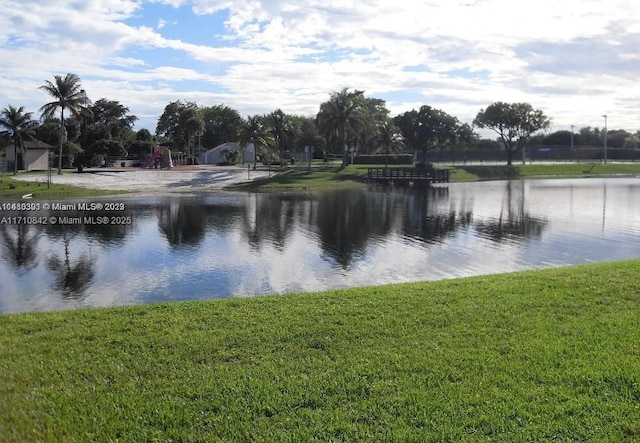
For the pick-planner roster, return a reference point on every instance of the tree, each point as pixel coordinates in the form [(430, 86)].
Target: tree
[(375, 115), (513, 122), (282, 129), (221, 125), (19, 126), (341, 117), (308, 134), (254, 131), (428, 128), (632, 141), (108, 130), (390, 139), (68, 94), (181, 123)]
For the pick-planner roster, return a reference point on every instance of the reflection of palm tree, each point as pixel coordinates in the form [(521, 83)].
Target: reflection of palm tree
[(424, 218), (68, 94), (269, 220), (72, 280), (517, 223), (347, 222), (21, 249), (182, 224)]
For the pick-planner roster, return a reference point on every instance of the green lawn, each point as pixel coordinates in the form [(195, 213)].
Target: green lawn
[(331, 176), (560, 170), (550, 355), (11, 189)]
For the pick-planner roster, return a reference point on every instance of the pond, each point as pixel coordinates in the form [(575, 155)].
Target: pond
[(170, 248)]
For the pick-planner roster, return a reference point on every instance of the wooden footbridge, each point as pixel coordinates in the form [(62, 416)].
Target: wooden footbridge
[(407, 176)]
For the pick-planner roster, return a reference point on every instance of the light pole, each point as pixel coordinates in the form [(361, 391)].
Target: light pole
[(605, 138), (572, 153)]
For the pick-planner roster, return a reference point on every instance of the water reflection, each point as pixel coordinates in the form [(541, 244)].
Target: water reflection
[(225, 245), (19, 244), (72, 274), (514, 223)]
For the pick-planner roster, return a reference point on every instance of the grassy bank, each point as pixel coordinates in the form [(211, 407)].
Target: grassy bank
[(331, 176), (561, 170), (548, 355), (11, 189)]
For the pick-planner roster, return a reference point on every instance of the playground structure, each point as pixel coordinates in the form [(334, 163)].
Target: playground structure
[(160, 158)]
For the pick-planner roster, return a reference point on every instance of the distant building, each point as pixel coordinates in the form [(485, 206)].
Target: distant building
[(36, 156), (214, 156)]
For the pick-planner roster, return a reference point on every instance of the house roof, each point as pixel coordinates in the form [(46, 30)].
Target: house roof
[(32, 144)]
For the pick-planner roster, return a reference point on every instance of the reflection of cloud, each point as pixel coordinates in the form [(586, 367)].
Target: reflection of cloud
[(145, 268)]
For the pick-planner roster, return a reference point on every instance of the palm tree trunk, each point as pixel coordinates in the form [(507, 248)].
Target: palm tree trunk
[(255, 154), (15, 156), (61, 140)]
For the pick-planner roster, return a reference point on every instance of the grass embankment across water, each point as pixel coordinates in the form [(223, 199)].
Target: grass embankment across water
[(549, 355), (11, 189), (332, 176)]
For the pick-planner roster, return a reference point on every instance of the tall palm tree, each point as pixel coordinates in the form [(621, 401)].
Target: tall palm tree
[(253, 131), (342, 116), (68, 94), (282, 128), (390, 139), (19, 126)]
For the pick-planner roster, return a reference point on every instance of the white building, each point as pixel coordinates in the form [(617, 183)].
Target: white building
[(36, 156), (214, 156)]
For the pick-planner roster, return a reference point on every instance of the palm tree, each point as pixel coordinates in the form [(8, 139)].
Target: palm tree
[(282, 128), (19, 126), (390, 139), (68, 94), (341, 117), (253, 131)]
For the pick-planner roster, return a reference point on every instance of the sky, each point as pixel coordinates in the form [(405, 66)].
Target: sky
[(576, 60)]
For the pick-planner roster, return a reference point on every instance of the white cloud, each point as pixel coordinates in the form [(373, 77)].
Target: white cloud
[(573, 59)]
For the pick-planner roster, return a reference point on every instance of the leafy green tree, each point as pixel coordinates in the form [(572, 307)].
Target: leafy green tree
[(513, 122), (616, 138), (254, 131), (113, 115), (68, 94), (341, 117), (375, 115), (181, 123), (71, 151), (282, 128), (429, 128), (144, 135), (632, 141), (19, 127), (49, 131), (390, 139), (220, 125), (143, 143), (110, 131), (308, 134)]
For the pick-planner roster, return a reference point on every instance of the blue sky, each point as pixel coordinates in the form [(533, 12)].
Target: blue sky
[(576, 60)]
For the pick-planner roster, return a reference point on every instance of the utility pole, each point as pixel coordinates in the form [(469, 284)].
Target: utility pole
[(572, 153), (605, 138)]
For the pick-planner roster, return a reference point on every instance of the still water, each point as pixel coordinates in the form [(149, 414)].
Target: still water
[(236, 245)]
